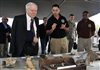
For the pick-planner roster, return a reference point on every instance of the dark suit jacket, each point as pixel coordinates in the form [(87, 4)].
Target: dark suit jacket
[(3, 32), (18, 33), (42, 32)]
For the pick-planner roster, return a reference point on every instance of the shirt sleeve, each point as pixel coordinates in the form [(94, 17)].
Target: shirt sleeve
[(66, 23), (93, 28), (78, 29)]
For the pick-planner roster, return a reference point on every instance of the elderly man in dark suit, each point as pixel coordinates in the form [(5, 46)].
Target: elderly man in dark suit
[(25, 32), (5, 30)]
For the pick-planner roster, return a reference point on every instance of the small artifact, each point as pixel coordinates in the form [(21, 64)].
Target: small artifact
[(64, 63), (43, 56), (88, 57), (9, 63), (92, 55), (30, 65)]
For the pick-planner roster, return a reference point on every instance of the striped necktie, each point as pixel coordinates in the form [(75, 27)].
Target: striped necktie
[(32, 27)]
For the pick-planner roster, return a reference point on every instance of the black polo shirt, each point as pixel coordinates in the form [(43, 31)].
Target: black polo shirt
[(57, 33)]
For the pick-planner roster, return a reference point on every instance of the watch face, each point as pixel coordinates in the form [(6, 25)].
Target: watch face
[(89, 25), (62, 20)]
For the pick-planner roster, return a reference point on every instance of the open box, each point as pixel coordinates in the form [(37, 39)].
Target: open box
[(44, 64)]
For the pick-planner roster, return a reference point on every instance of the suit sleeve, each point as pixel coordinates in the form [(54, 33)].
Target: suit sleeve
[(93, 29), (13, 35), (9, 29), (49, 24), (66, 23), (2, 33), (99, 32)]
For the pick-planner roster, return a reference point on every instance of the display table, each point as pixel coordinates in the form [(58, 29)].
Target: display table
[(20, 65)]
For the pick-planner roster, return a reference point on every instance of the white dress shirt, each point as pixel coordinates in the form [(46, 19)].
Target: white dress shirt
[(28, 24)]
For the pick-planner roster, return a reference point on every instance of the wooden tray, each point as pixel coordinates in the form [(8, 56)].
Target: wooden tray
[(43, 64)]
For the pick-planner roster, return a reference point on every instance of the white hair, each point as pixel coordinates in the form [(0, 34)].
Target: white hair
[(30, 4)]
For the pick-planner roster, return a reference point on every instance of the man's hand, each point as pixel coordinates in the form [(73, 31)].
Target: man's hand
[(51, 30), (54, 26), (7, 33), (35, 40), (62, 26)]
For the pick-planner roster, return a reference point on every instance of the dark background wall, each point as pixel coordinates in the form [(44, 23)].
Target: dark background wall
[(10, 8)]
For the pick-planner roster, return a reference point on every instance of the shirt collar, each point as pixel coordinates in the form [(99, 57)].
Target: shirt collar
[(54, 17), (28, 17), (4, 23), (84, 19), (70, 21)]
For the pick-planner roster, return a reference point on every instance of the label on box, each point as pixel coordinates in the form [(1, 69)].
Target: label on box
[(71, 66)]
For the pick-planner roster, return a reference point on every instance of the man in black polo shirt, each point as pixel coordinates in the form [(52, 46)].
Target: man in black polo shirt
[(57, 26)]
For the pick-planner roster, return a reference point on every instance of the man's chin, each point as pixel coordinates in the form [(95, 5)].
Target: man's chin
[(33, 16)]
